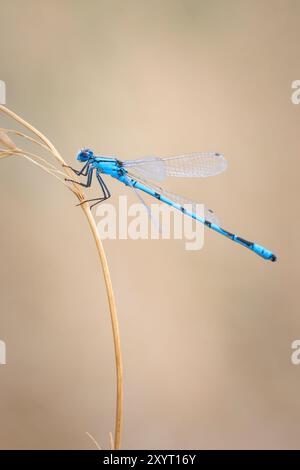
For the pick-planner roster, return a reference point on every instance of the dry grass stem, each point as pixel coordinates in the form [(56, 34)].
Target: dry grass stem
[(21, 134), (93, 440), (9, 148)]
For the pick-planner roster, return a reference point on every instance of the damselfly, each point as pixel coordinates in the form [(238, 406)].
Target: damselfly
[(143, 174)]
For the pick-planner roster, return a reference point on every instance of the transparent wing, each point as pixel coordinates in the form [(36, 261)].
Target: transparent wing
[(192, 165), (195, 165), (209, 214), (151, 168)]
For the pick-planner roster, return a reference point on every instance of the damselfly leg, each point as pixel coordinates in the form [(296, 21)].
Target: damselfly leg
[(83, 172), (88, 181), (105, 191)]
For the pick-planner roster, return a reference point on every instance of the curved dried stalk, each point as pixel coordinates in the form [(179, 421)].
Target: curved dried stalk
[(11, 149), (36, 159), (16, 151), (20, 134), (93, 440)]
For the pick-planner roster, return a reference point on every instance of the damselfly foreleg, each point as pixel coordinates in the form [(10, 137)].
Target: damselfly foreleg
[(88, 181), (83, 172)]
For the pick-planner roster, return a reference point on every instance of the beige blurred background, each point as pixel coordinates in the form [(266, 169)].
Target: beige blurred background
[(206, 335)]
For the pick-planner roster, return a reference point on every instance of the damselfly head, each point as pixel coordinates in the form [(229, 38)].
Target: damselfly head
[(84, 155)]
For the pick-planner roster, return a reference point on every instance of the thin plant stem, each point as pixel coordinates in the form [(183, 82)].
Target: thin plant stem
[(93, 440), (77, 190), (114, 322), (37, 160), (27, 137)]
